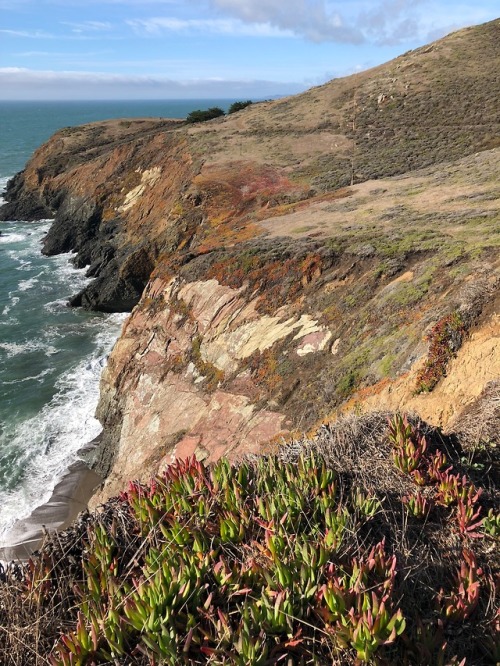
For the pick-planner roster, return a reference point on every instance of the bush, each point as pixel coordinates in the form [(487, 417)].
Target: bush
[(445, 339), (238, 106), (200, 116)]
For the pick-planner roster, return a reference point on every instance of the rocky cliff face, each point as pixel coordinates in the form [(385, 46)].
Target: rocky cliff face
[(286, 262)]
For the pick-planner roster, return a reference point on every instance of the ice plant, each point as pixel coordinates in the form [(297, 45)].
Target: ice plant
[(445, 339), (408, 445), (468, 519), (366, 506), (491, 523), (417, 505), (248, 564), (436, 465), (365, 632), (449, 486), (462, 601), (355, 604)]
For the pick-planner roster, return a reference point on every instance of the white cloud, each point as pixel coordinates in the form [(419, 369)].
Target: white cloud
[(391, 21), (312, 19), (22, 83), (88, 26), (381, 22), (31, 34), (227, 27)]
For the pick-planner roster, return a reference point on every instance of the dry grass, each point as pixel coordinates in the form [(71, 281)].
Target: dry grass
[(479, 425)]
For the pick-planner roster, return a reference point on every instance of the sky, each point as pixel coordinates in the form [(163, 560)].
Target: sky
[(228, 49)]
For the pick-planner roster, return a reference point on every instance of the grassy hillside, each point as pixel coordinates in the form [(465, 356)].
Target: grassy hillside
[(434, 104)]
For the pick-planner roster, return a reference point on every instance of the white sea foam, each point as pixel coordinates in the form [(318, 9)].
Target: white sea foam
[(66, 272), (13, 301), (47, 444), (24, 285), (54, 306), (39, 377), (36, 452), (11, 238), (16, 348), (3, 185), (23, 265)]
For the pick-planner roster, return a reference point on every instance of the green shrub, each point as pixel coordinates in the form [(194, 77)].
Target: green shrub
[(200, 116), (238, 106)]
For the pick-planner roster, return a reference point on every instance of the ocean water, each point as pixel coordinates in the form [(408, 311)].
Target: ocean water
[(51, 356), (26, 125)]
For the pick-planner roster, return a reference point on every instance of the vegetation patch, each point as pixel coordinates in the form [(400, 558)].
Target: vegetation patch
[(291, 558), (239, 106), (201, 116), (445, 339), (277, 281)]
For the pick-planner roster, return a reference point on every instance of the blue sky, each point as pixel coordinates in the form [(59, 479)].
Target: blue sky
[(160, 49)]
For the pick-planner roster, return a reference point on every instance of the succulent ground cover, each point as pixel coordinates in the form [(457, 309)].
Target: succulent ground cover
[(444, 339), (303, 557)]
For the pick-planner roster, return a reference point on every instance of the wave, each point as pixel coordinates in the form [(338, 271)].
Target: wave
[(54, 306), (53, 398), (24, 285), (46, 445), (39, 377), (11, 238), (3, 184), (27, 347)]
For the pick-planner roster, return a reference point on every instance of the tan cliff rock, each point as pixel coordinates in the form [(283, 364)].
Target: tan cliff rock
[(279, 265)]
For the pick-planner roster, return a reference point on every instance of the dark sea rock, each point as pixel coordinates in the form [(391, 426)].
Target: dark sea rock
[(120, 276), (22, 203), (75, 227), (109, 294)]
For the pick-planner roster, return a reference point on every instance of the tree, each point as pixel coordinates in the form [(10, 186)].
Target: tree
[(238, 106), (200, 116)]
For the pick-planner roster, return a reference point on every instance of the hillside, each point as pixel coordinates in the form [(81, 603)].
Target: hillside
[(330, 251)]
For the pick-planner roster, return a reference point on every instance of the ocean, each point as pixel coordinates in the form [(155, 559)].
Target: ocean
[(51, 356)]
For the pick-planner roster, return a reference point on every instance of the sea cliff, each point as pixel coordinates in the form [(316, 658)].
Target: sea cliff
[(333, 251)]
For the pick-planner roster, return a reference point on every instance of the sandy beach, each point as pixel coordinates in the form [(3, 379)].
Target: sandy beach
[(70, 496)]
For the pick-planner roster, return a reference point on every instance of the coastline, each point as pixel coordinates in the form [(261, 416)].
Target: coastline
[(69, 497)]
